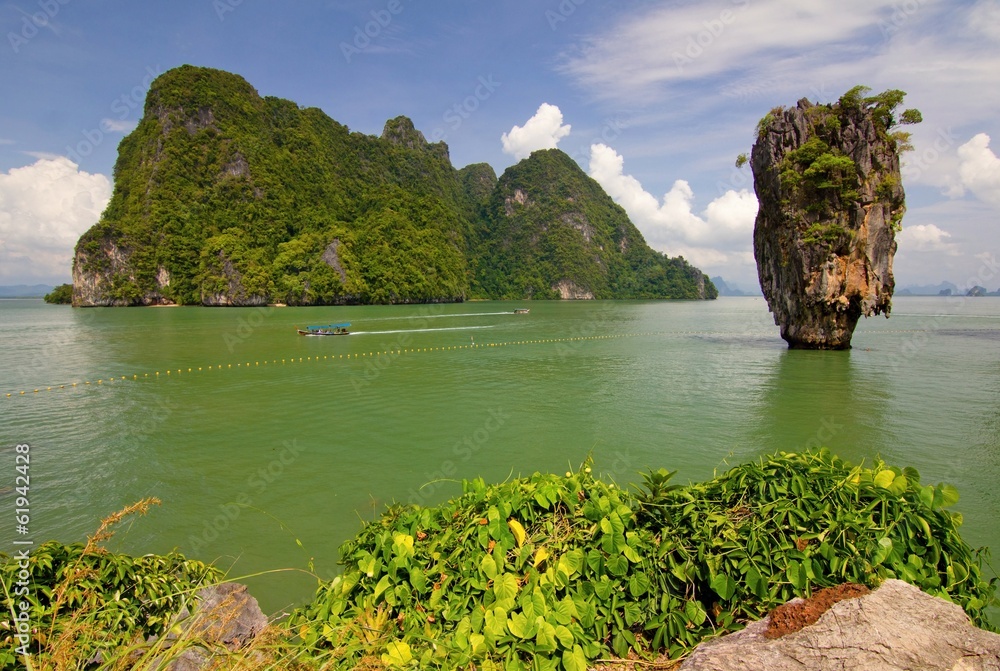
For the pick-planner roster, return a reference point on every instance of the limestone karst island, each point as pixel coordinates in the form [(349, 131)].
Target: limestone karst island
[(831, 201), (224, 197)]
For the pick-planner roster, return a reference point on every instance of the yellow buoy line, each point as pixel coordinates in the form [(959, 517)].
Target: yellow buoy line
[(176, 372)]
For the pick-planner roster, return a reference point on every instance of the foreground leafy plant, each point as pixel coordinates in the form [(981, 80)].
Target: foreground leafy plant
[(87, 603), (555, 572)]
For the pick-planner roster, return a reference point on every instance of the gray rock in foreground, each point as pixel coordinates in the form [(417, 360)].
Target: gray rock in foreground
[(226, 616), (895, 627)]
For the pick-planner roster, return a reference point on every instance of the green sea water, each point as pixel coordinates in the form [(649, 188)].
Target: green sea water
[(269, 449)]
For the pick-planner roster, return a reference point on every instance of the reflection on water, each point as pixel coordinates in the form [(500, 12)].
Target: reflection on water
[(824, 399)]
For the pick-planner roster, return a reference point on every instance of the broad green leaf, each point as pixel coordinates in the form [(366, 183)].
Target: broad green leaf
[(397, 653), (574, 660), (545, 638), (382, 585), (496, 622), (882, 551), (617, 565), (620, 645), (541, 554), (521, 626), (724, 586), (884, 478), (505, 586), (633, 613), (948, 495), (402, 545), (638, 584), (488, 566), (461, 635), (694, 612), (517, 530), (570, 562), (565, 611), (418, 579), (604, 587)]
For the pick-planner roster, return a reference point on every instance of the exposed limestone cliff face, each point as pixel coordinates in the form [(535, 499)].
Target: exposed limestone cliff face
[(828, 182), (111, 285)]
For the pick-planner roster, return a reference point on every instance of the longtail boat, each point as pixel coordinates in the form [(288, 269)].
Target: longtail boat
[(325, 330)]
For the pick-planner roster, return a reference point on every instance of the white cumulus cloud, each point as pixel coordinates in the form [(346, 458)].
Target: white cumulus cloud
[(44, 208), (719, 237), (979, 169), (542, 131), (925, 238), (118, 125)]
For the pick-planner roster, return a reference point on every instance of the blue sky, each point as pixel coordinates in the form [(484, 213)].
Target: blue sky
[(653, 99)]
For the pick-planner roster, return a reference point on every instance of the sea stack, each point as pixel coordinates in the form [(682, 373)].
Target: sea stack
[(831, 200)]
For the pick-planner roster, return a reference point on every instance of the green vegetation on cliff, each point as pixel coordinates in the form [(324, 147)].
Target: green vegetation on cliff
[(226, 197), (548, 222), (62, 294), (547, 571), (820, 178)]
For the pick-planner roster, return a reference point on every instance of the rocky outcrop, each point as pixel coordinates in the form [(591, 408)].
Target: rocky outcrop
[(226, 618), (828, 183), (401, 132), (568, 290), (110, 279), (895, 628)]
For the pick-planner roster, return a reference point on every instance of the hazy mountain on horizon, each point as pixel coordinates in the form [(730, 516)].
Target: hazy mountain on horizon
[(929, 289), (726, 290), (24, 290)]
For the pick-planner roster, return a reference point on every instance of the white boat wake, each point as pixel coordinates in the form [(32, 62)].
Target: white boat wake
[(447, 328), (419, 317)]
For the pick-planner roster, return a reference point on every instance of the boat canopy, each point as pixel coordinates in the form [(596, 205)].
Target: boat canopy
[(328, 326)]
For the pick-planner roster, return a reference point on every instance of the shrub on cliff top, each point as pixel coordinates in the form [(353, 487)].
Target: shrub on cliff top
[(554, 572)]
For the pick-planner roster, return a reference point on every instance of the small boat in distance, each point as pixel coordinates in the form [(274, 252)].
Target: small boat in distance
[(521, 311), (327, 330)]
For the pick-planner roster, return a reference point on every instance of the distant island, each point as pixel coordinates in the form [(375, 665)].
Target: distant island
[(223, 197)]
